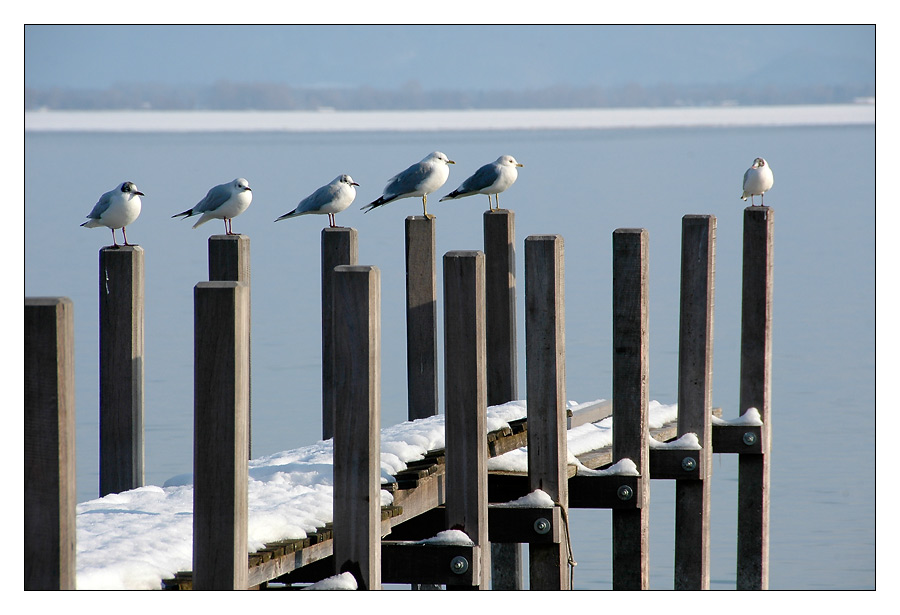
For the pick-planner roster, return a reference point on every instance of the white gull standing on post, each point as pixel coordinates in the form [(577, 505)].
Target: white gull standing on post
[(758, 179), (330, 199), (224, 202), (116, 209), (492, 178), (420, 179)]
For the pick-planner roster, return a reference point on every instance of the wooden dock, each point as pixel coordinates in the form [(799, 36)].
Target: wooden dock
[(450, 488), (417, 511)]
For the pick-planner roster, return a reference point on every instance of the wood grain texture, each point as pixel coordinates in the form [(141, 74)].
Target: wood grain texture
[(340, 246), (756, 392), (500, 305), (545, 365), (695, 364), (421, 317), (121, 369), (229, 261), (466, 399), (49, 426), (502, 356), (357, 441), (630, 401), (221, 425)]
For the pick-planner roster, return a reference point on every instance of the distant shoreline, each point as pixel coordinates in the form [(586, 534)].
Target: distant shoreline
[(447, 120)]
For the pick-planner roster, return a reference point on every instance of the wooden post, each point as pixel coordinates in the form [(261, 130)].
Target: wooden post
[(340, 246), (466, 400), (500, 305), (229, 258), (502, 356), (229, 261), (695, 364), (421, 318), (506, 566), (357, 434), (630, 400), (49, 425), (121, 369), (221, 408), (545, 364), (756, 392)]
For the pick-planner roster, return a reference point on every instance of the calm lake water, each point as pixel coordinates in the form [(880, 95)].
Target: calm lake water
[(581, 184)]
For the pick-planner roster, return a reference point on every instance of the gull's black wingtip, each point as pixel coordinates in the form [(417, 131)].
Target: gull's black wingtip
[(376, 203)]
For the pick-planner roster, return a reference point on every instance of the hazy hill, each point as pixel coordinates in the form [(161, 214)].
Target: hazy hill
[(225, 95)]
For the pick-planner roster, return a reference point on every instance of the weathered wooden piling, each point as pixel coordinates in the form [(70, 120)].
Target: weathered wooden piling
[(500, 305), (229, 261), (357, 434), (756, 392), (545, 364), (121, 369), (421, 318), (466, 400), (229, 258), (221, 423), (49, 425), (340, 246), (502, 356), (695, 364), (630, 402)]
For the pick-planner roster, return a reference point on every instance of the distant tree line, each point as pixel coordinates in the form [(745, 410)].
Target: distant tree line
[(226, 95)]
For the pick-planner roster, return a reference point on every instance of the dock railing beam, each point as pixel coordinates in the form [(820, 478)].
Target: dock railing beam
[(357, 432), (340, 246), (221, 409), (465, 399), (545, 364), (695, 365), (49, 426), (630, 402), (756, 392), (121, 369)]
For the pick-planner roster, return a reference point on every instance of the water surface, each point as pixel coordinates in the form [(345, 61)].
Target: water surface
[(582, 184)]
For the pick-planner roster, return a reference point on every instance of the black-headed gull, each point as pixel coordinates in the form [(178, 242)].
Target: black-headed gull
[(329, 199), (758, 179), (116, 209), (225, 201)]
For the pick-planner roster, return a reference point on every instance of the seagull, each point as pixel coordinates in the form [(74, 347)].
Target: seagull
[(224, 201), (330, 199), (492, 178), (116, 209), (421, 179), (757, 180)]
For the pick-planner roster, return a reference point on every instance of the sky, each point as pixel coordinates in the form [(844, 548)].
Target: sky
[(452, 57)]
